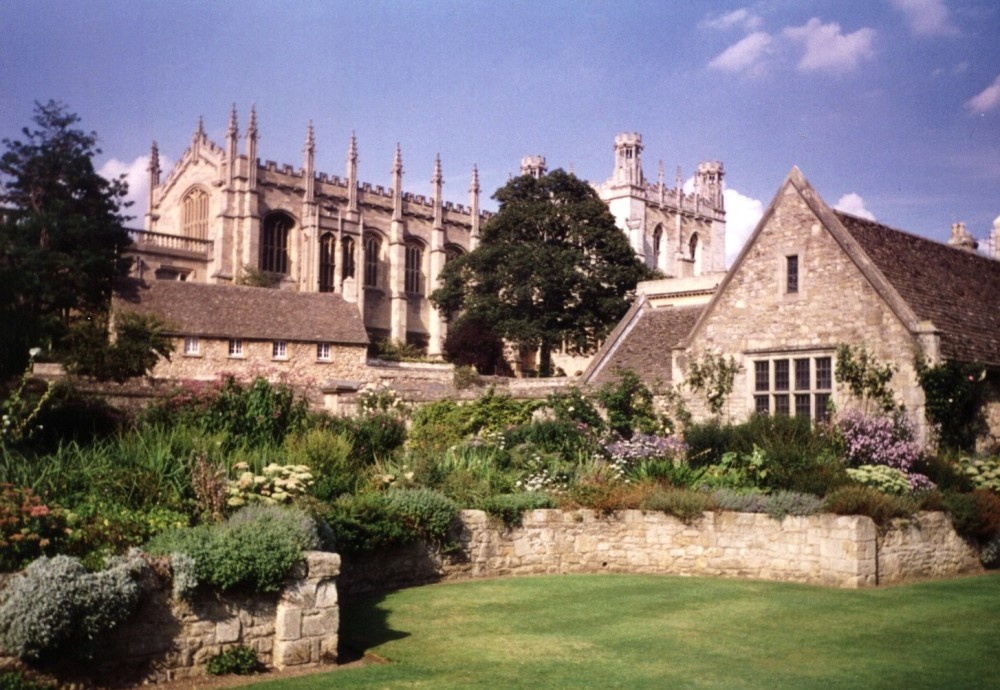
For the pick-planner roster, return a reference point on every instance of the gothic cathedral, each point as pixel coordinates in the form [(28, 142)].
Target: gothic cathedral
[(221, 216)]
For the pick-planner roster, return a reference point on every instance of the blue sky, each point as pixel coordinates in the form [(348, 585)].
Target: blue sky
[(890, 108)]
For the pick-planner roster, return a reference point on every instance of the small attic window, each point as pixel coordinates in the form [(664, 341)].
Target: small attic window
[(792, 274)]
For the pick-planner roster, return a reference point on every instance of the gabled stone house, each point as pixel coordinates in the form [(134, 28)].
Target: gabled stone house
[(301, 338), (811, 278)]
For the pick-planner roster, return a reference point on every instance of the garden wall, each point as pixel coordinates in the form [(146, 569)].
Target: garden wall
[(168, 640), (833, 550)]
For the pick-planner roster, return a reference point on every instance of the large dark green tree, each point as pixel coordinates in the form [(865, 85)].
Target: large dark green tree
[(551, 268), (61, 235)]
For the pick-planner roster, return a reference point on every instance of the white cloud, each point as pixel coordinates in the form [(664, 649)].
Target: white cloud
[(742, 216), (137, 176), (744, 56), (853, 203), (986, 100), (827, 48), (927, 17), (741, 18)]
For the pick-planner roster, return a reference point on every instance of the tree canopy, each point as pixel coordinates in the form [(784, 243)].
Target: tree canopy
[(61, 234), (551, 269)]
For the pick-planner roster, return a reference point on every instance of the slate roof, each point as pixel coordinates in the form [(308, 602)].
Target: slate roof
[(955, 289), (223, 311), (643, 342)]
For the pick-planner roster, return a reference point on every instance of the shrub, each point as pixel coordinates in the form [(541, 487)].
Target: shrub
[(801, 456), (629, 452), (239, 660), (777, 505), (974, 515), (15, 680), (259, 414), (253, 550), (329, 455), (984, 473), (571, 405), (882, 478), (98, 529), (59, 608), (864, 500), (372, 437), (629, 405), (508, 508), (562, 437), (379, 520), (686, 505), (28, 527), (878, 440), (605, 494)]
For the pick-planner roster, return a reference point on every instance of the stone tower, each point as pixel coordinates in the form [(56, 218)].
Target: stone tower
[(534, 166)]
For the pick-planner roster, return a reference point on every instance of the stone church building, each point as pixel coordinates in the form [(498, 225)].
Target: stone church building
[(222, 217)]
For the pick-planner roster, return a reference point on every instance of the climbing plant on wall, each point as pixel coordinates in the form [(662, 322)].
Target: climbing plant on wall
[(953, 394)]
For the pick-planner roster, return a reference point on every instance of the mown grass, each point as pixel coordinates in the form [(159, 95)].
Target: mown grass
[(623, 631)]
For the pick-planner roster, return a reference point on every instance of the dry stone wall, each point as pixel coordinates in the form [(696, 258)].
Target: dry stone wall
[(832, 550)]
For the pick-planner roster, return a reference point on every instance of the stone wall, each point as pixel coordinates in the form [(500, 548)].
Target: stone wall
[(168, 640), (833, 550)]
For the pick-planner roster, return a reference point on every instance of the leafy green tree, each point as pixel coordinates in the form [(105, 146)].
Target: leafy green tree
[(551, 268), (61, 234)]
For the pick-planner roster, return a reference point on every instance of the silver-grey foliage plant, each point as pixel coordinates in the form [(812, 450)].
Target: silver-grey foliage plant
[(58, 607)]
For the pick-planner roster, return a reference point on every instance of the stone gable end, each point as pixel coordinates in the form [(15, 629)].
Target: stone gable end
[(756, 316)]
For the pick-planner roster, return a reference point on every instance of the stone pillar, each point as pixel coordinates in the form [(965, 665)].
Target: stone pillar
[(308, 615)]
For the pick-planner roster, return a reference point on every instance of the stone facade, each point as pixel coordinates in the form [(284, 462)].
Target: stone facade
[(220, 211), (755, 318), (300, 366), (833, 550), (808, 280)]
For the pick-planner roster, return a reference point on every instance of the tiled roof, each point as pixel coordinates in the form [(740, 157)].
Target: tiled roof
[(646, 347), (222, 311), (955, 289)]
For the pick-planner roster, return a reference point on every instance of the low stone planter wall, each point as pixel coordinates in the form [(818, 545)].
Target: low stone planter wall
[(832, 550), (168, 640)]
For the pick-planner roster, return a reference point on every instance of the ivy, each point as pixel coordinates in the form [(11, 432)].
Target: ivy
[(953, 394)]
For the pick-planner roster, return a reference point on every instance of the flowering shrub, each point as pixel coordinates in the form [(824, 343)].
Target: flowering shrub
[(381, 399), (20, 415), (878, 440), (628, 455), (28, 527), (275, 485)]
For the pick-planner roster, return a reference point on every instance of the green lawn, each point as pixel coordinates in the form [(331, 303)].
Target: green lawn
[(625, 631)]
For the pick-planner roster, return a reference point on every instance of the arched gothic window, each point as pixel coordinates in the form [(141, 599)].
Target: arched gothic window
[(413, 276), (657, 245), (372, 248), (347, 258), (194, 214), (451, 252), (327, 255), (274, 243), (693, 246)]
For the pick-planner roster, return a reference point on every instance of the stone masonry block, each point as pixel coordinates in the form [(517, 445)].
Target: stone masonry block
[(228, 630), (288, 623)]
